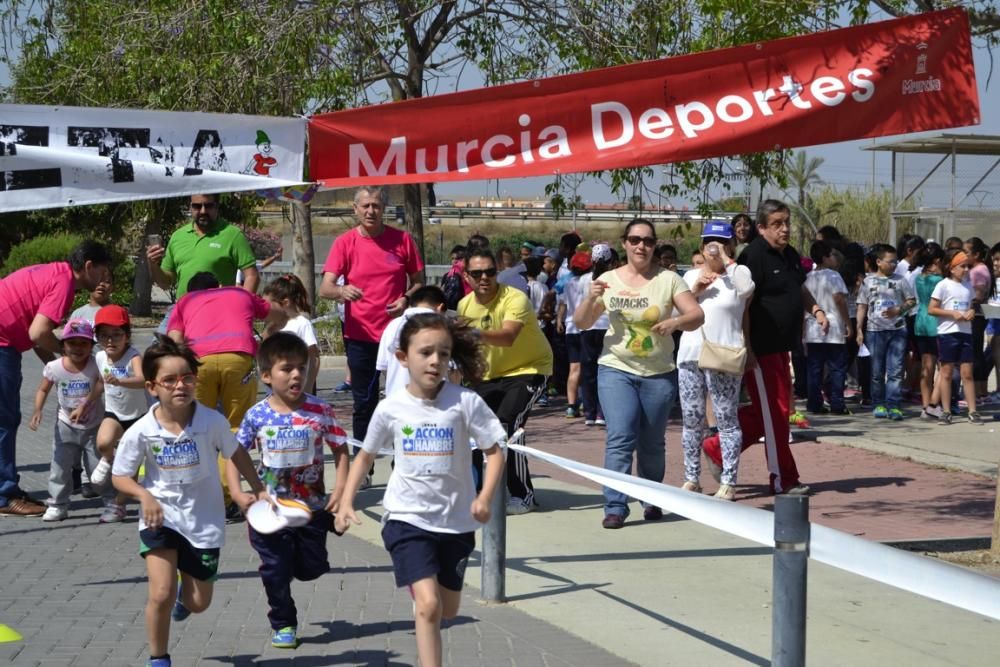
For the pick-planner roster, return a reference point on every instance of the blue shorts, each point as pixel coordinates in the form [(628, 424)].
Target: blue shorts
[(574, 348), (927, 345), (955, 348), (418, 554)]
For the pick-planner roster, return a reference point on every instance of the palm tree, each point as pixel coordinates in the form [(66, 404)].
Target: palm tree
[(803, 175)]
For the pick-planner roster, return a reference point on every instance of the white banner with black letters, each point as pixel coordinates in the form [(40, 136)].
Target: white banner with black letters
[(68, 156)]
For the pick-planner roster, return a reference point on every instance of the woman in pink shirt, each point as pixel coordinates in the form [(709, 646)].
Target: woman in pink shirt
[(980, 280)]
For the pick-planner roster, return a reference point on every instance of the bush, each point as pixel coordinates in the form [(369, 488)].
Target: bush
[(263, 243), (329, 333), (40, 250)]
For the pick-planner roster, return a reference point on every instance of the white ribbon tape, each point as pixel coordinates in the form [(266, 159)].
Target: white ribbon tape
[(910, 572)]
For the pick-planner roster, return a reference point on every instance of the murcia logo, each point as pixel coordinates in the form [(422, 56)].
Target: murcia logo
[(923, 85)]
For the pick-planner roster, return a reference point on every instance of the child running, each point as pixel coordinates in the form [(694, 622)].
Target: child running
[(120, 366), (951, 303), (288, 295), (427, 299), (182, 517), (431, 507), (290, 427), (78, 389)]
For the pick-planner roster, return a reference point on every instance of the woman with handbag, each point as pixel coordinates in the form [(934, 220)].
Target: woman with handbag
[(710, 359), (636, 376)]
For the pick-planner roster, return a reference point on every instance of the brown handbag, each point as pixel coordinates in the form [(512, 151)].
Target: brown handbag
[(722, 358)]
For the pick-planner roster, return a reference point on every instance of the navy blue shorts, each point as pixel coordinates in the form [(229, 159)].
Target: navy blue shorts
[(927, 345), (955, 348), (417, 554), (202, 564), (574, 348)]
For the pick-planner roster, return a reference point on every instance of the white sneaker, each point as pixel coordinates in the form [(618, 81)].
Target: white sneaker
[(100, 473), (726, 492), (55, 514), (518, 506), (113, 513)]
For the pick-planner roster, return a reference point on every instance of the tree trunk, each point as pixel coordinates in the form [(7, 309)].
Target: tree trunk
[(414, 215), (303, 255), (142, 288)]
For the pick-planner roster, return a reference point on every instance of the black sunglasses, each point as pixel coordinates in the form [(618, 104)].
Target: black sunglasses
[(479, 273), (647, 241)]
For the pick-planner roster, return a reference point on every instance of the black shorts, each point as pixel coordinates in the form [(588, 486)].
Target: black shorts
[(126, 423), (955, 348), (417, 554), (927, 345), (202, 564), (574, 348)]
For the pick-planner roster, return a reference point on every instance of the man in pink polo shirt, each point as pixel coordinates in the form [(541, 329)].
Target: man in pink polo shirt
[(33, 301), (381, 268)]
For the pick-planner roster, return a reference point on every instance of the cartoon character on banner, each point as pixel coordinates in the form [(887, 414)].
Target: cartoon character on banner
[(262, 161)]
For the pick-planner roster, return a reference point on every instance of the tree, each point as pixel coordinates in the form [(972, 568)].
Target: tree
[(260, 57)]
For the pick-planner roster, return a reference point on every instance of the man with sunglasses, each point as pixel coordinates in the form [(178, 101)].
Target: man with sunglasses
[(207, 243), (518, 359), (772, 329)]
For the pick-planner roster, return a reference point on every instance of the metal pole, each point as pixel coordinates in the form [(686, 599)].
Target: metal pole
[(494, 548), (791, 557)]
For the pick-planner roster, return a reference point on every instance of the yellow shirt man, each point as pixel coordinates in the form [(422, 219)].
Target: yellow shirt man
[(530, 354)]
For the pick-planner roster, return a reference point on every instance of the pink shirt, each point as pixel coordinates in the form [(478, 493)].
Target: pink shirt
[(43, 289), (379, 267), (219, 320)]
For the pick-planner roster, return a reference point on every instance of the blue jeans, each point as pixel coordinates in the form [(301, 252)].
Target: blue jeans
[(636, 410), (361, 357), (888, 350), (10, 419), (832, 356)]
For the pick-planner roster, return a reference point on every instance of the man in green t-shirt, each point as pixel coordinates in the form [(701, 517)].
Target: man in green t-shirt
[(208, 243)]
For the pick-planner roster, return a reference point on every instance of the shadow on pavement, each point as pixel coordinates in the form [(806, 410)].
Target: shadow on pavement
[(851, 485), (381, 658)]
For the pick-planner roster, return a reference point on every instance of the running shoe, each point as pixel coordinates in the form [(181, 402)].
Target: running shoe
[(896, 415), (944, 419), (798, 419), (880, 412), (285, 638)]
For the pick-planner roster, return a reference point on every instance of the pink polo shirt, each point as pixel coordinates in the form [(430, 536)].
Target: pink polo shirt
[(379, 267), (219, 320), (42, 289)]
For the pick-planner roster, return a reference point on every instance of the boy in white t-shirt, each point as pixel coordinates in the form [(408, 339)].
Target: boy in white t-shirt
[(427, 299), (883, 302), (826, 351), (78, 389), (182, 517)]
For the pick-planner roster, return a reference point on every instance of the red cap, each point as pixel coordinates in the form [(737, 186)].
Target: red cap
[(581, 261), (112, 315)]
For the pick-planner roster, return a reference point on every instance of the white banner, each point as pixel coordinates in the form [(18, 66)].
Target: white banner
[(69, 156), (911, 572)]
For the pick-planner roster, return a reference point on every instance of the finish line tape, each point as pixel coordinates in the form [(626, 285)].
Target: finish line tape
[(924, 576)]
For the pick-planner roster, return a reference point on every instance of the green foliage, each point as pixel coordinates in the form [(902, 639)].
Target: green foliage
[(329, 332), (858, 213), (40, 250)]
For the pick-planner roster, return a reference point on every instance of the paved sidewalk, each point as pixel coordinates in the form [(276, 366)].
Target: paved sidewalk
[(667, 593)]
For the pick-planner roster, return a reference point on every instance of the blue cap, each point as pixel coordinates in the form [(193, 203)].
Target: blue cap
[(719, 230)]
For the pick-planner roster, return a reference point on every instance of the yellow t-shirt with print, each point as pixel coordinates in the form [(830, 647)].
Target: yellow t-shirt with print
[(630, 344), (530, 354)]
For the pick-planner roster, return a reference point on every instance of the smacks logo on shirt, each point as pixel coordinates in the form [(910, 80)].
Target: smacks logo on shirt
[(428, 440)]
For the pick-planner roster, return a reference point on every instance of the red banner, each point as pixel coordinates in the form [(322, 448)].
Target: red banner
[(893, 77)]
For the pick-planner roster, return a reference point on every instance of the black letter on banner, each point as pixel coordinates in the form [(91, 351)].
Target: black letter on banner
[(107, 141), (207, 153), (25, 179)]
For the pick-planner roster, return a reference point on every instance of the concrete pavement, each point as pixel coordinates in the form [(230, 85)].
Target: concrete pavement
[(666, 593)]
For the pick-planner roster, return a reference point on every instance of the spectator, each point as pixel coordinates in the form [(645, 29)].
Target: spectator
[(744, 231), (518, 360), (981, 281), (35, 299), (723, 288), (382, 268), (826, 352), (951, 303), (773, 328), (930, 264), (636, 376)]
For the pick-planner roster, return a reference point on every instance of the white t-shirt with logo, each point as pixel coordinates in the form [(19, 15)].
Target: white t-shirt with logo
[(602, 323), (431, 485), (124, 402), (723, 303), (72, 389), (953, 295), (571, 297), (824, 284), (880, 294), (182, 472)]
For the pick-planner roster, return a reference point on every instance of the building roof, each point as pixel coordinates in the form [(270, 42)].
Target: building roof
[(961, 144)]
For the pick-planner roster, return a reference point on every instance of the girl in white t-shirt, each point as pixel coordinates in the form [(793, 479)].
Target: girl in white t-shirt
[(125, 397), (951, 303), (288, 294), (431, 506)]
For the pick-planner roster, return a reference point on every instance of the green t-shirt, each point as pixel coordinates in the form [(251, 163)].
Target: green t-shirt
[(222, 250)]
